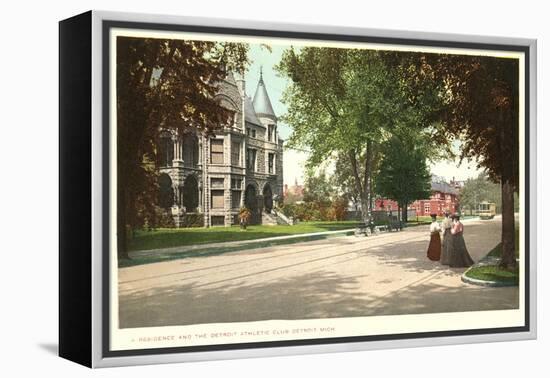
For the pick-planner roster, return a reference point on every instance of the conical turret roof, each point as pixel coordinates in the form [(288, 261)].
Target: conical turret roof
[(262, 104)]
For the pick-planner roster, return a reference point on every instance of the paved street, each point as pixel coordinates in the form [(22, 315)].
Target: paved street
[(341, 276)]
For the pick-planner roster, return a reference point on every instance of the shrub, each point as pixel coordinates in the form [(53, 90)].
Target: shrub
[(244, 215), (193, 220)]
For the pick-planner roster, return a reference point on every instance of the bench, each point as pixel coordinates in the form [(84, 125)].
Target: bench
[(367, 230)]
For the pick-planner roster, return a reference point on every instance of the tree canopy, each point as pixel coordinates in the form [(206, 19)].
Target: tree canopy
[(344, 103), (403, 175)]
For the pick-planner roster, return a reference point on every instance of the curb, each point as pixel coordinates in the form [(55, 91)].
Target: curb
[(474, 281)]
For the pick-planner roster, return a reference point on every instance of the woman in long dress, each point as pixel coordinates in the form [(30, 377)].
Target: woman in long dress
[(434, 249), (447, 245), (460, 258)]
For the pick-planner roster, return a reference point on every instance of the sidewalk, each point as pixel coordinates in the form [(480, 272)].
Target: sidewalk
[(234, 245)]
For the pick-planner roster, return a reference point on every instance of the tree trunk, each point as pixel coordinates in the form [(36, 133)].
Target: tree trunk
[(399, 214), (368, 179), (508, 238), (363, 200), (405, 214)]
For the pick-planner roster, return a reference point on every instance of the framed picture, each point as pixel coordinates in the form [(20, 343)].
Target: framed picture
[(232, 189)]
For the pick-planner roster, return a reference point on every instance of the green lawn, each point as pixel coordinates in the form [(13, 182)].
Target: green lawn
[(219, 249), (174, 237), (494, 273)]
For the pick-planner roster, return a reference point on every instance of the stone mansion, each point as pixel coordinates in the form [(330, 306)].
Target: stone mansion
[(207, 179)]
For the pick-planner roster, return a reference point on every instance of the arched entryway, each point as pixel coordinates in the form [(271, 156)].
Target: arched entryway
[(268, 198), (251, 203), (166, 192), (190, 194), (250, 198)]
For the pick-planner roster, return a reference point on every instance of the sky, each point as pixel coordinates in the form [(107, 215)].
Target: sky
[(293, 160)]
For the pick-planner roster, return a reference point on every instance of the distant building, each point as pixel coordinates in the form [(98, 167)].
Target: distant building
[(212, 177), (457, 184), (294, 193), (444, 196)]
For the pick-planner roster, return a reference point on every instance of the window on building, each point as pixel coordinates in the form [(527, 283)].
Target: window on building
[(190, 151), (236, 184), (251, 159), (271, 163), (217, 199), (216, 151), (216, 183), (236, 199), (426, 208), (235, 153), (270, 129), (166, 151), (217, 220), (251, 132)]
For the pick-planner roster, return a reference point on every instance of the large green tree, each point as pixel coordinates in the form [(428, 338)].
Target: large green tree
[(481, 107), (344, 103), (318, 187), (162, 83), (403, 176)]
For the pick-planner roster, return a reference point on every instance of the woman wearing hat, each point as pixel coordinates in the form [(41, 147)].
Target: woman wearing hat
[(460, 258), (447, 246), (434, 249)]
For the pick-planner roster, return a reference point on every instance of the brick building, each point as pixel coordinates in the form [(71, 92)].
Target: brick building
[(444, 197), (213, 177)]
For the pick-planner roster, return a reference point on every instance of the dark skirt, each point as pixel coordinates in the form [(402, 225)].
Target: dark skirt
[(447, 247), (434, 249), (460, 258)]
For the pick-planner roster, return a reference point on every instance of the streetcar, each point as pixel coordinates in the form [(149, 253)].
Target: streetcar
[(486, 210)]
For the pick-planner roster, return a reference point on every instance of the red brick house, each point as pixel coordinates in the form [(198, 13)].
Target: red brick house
[(444, 197)]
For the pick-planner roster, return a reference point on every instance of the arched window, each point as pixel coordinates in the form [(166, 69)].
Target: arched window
[(166, 192)]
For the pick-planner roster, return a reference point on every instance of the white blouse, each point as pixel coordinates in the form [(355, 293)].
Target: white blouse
[(447, 223), (434, 227)]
